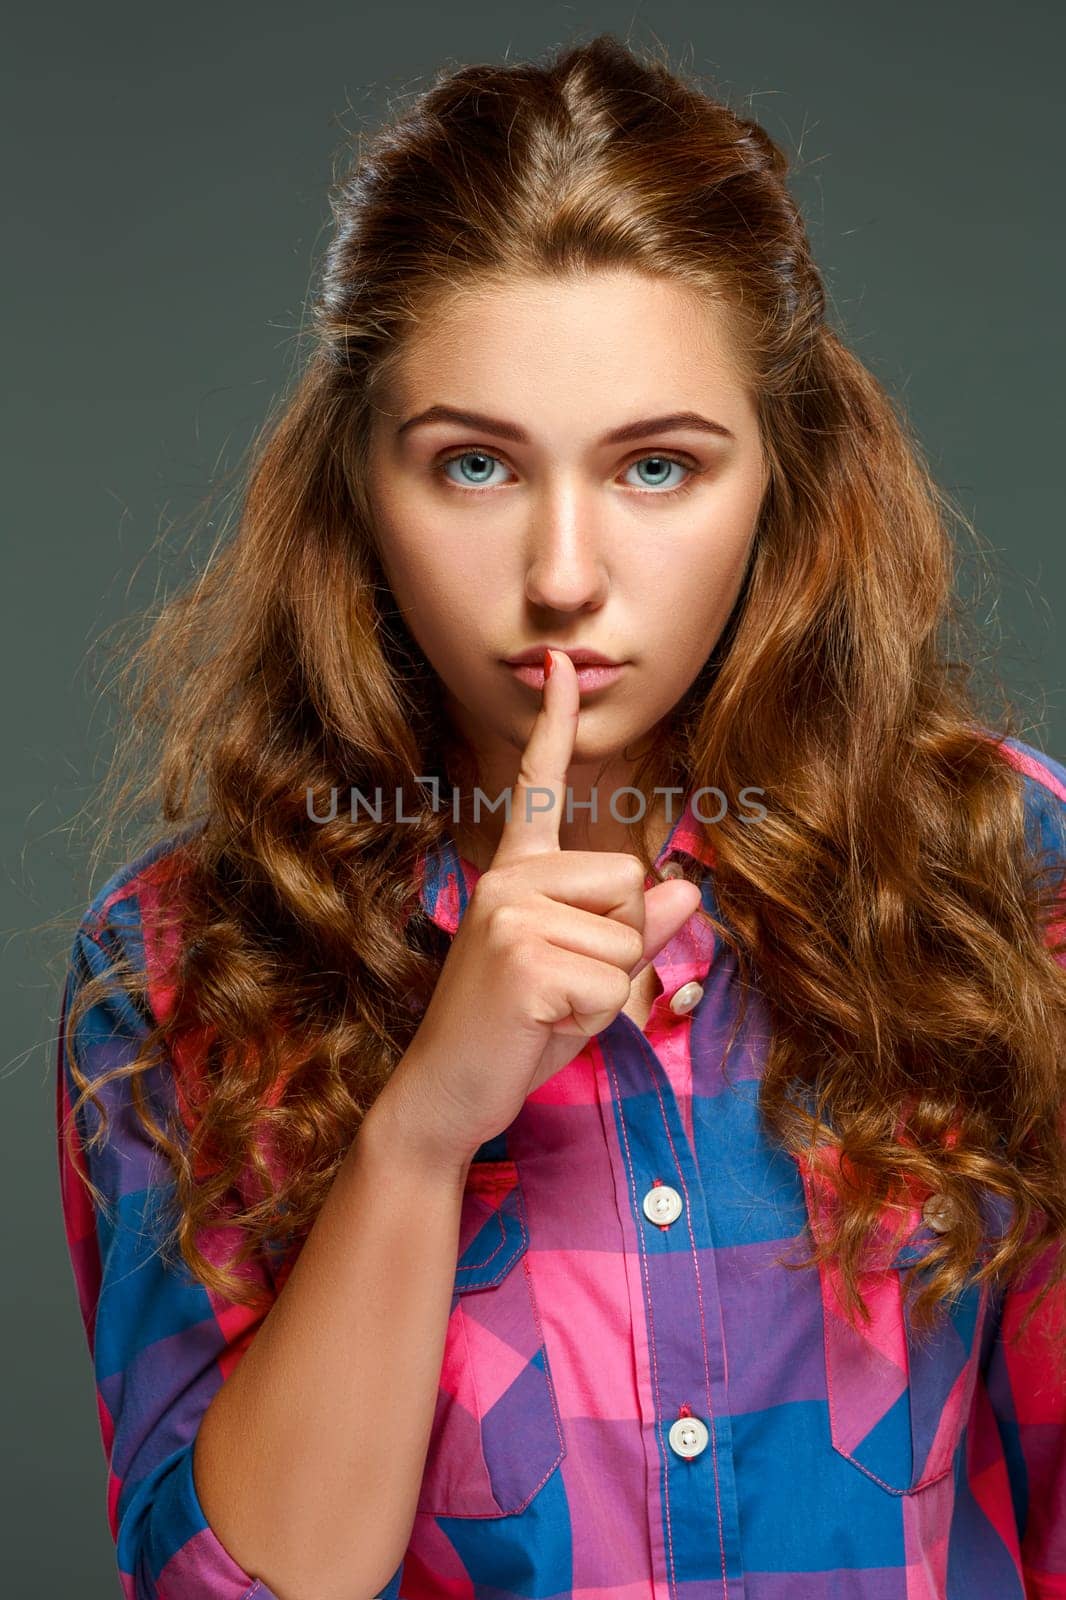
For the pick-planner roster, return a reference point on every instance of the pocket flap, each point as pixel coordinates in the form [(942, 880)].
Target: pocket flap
[(492, 1227), (898, 1400)]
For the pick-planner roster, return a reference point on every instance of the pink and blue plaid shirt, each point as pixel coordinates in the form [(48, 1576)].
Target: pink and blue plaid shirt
[(637, 1401)]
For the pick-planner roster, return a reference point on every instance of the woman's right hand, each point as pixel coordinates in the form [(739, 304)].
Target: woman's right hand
[(543, 958)]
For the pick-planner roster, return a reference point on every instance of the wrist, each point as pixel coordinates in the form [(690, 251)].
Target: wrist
[(398, 1132)]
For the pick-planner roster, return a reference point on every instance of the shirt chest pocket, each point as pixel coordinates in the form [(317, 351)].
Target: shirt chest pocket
[(898, 1397), (496, 1435)]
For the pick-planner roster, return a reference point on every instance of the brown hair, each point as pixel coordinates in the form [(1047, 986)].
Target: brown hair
[(889, 904)]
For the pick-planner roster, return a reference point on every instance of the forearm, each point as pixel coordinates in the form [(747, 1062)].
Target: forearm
[(309, 1460)]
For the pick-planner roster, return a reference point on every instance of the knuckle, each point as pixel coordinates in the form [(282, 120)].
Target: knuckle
[(622, 989), (634, 872), (488, 889), (507, 924)]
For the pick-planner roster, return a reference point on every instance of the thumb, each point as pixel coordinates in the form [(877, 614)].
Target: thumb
[(667, 907)]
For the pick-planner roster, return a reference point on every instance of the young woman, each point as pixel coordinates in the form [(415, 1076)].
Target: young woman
[(655, 1188)]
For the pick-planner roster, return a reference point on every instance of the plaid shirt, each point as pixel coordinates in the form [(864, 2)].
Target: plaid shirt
[(637, 1400)]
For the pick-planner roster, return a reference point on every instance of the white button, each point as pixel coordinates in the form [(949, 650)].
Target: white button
[(662, 1204), (689, 995), (688, 1437), (673, 869), (940, 1212)]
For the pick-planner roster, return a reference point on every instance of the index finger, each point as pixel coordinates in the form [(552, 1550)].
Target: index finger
[(540, 788)]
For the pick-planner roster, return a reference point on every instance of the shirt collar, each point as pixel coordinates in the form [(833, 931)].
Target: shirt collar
[(448, 879)]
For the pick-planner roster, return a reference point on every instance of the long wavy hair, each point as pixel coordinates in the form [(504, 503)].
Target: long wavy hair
[(898, 924)]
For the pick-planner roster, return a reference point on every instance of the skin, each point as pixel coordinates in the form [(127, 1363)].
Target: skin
[(563, 540)]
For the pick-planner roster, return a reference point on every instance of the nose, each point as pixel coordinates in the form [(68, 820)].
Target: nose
[(565, 570)]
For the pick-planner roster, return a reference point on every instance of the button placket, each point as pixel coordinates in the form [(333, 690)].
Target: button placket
[(676, 1293), (689, 960)]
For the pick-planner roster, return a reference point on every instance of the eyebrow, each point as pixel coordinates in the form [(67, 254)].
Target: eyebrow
[(672, 422)]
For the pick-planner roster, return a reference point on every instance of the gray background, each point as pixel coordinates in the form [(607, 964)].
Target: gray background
[(165, 203)]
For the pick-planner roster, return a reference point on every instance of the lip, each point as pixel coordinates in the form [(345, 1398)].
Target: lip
[(579, 656), (591, 676)]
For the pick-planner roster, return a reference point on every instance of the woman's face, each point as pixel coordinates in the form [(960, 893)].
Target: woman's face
[(529, 521)]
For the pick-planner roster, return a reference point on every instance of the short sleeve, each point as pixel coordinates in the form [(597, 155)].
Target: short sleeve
[(161, 1344)]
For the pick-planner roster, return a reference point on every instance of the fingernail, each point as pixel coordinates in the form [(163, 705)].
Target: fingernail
[(547, 664)]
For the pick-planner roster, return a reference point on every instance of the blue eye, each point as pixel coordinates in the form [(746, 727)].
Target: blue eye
[(480, 470), (478, 464), (659, 462)]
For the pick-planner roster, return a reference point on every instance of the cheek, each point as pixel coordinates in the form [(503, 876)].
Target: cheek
[(444, 598), (698, 579), (689, 599)]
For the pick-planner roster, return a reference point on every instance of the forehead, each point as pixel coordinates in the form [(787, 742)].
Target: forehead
[(635, 337)]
